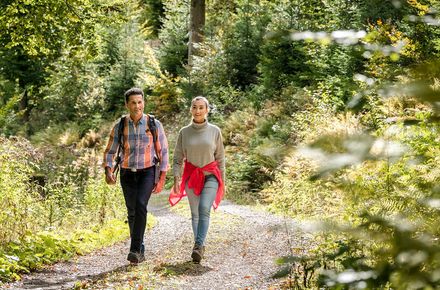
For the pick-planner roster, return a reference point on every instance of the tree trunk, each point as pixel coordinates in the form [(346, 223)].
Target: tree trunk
[(196, 25), (25, 108)]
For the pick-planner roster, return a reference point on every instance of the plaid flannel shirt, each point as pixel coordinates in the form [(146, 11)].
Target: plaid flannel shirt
[(138, 150)]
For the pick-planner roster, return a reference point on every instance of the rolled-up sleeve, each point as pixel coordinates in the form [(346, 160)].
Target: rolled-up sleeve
[(178, 156), (219, 155), (112, 147), (163, 148)]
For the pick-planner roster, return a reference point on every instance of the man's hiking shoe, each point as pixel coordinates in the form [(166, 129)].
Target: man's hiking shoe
[(135, 257), (197, 253)]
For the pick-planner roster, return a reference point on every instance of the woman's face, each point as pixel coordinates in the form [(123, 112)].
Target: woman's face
[(199, 111)]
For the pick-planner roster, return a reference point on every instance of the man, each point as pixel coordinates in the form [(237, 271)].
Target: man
[(139, 154)]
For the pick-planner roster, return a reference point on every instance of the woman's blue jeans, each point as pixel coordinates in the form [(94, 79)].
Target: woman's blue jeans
[(201, 208)]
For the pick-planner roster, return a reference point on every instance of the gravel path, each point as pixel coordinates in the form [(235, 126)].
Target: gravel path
[(241, 250)]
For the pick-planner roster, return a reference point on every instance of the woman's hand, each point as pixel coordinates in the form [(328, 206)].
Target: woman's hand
[(176, 186)]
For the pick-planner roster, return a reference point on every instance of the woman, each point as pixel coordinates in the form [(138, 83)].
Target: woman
[(200, 149)]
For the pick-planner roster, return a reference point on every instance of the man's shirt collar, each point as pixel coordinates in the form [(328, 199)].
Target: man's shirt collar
[(141, 121)]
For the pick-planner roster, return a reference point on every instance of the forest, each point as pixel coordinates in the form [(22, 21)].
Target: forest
[(329, 111)]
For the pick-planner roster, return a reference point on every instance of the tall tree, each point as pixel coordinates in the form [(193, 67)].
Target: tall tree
[(196, 26)]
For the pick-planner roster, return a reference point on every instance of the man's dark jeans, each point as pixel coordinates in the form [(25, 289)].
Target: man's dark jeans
[(137, 188)]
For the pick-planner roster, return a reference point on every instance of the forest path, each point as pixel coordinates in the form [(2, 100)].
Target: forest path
[(242, 246)]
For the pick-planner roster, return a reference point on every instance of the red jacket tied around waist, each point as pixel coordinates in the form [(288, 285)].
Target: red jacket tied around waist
[(196, 181)]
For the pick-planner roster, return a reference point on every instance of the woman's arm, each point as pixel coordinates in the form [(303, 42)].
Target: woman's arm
[(219, 155), (178, 160)]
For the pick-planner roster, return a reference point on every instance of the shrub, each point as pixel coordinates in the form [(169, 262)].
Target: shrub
[(20, 204), (389, 207), (48, 194), (36, 250)]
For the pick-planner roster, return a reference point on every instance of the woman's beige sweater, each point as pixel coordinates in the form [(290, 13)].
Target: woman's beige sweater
[(199, 144)]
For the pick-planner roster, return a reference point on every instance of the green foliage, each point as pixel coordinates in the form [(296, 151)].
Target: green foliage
[(7, 90), (385, 205), (83, 88), (174, 38), (53, 209), (121, 56), (58, 190), (162, 90), (29, 25), (383, 201), (9, 115), (127, 58), (302, 269), (151, 17), (210, 76), (255, 149), (272, 93), (72, 95), (399, 258), (34, 251), (81, 73), (282, 62), (303, 63), (241, 44), (246, 177), (17, 198), (64, 135), (33, 36), (291, 192)]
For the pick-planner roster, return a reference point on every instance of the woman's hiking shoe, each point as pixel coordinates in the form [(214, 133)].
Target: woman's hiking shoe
[(197, 253), (135, 257)]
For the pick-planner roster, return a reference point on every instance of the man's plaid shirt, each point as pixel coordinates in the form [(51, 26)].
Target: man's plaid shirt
[(138, 148)]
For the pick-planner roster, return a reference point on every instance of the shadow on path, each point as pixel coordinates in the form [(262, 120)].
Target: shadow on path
[(68, 282), (185, 268)]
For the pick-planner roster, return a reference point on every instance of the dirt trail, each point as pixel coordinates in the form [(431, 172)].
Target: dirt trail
[(241, 248)]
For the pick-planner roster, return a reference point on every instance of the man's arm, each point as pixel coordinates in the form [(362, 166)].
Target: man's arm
[(163, 147), (109, 154), (163, 158)]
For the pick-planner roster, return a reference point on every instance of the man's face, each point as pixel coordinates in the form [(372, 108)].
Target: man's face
[(135, 106)]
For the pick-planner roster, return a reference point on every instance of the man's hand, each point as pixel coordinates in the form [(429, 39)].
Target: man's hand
[(109, 176), (158, 187)]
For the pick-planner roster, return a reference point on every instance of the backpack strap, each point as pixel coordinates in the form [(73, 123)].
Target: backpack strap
[(152, 126), (154, 131), (121, 132), (120, 137)]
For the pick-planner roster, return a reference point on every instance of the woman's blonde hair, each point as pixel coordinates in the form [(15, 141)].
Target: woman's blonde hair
[(200, 98)]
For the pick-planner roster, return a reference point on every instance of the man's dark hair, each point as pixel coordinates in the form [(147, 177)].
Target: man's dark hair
[(133, 91)]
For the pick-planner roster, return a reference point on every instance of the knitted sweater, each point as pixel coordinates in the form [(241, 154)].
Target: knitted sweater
[(199, 144)]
